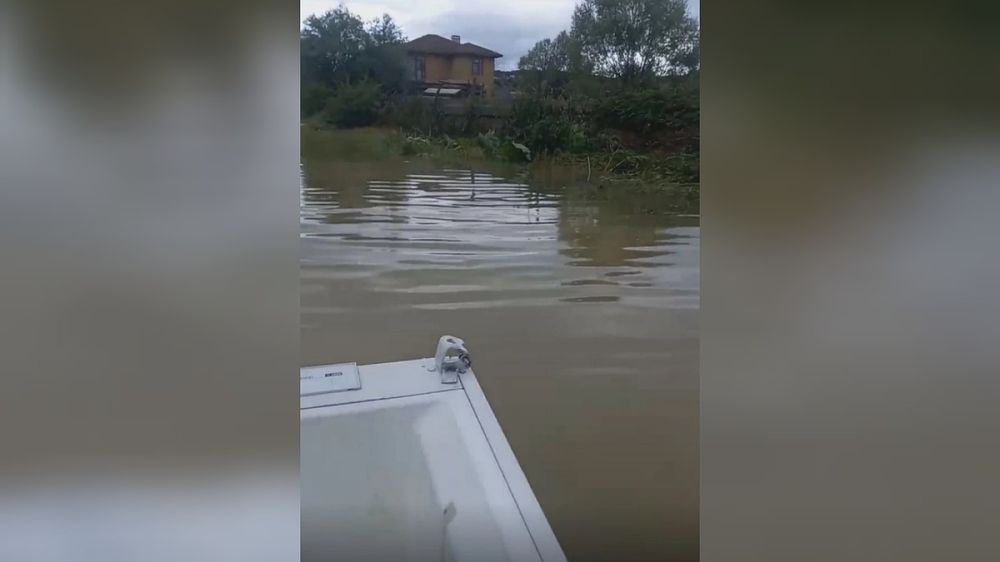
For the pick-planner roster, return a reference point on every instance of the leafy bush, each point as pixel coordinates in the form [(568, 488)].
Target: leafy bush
[(683, 168), (314, 97), (490, 143), (354, 105), (524, 153), (548, 126), (413, 145), (499, 147), (648, 110), (412, 113)]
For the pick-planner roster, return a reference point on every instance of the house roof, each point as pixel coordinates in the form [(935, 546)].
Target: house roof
[(437, 45)]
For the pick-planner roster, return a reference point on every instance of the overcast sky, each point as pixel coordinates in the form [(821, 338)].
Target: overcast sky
[(508, 26)]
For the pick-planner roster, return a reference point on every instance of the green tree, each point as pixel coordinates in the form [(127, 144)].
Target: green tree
[(563, 54), (637, 39), (384, 60), (337, 48), (330, 44), (546, 56), (384, 31), (551, 64), (354, 104)]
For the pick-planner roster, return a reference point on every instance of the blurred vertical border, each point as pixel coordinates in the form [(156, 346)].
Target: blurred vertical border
[(149, 285), (849, 281)]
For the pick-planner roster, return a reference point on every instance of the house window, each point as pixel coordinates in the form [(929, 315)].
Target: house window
[(419, 69), (477, 67)]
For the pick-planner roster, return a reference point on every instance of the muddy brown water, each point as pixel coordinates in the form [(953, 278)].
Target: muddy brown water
[(579, 303)]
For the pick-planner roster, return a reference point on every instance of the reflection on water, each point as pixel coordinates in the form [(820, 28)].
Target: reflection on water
[(579, 304)]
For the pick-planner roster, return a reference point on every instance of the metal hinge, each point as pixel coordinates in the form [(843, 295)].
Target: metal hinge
[(451, 359)]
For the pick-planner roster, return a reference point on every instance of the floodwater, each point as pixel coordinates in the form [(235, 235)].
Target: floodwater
[(580, 306)]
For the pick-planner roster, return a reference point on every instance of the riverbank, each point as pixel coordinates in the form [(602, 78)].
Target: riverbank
[(618, 172)]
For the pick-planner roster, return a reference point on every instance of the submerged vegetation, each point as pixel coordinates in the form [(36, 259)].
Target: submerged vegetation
[(487, 152), (616, 96)]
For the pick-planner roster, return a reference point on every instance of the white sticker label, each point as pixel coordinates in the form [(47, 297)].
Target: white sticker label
[(329, 378)]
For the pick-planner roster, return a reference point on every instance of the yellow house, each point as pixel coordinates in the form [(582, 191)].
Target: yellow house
[(433, 58)]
